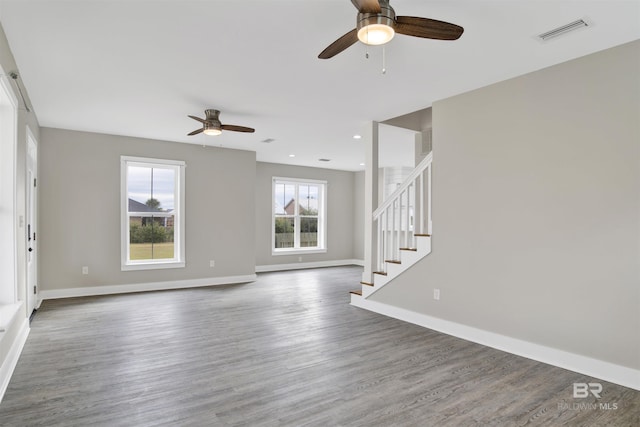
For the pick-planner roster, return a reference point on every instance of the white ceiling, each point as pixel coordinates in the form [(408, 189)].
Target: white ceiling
[(137, 68)]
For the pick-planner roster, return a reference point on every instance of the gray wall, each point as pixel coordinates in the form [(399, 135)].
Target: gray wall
[(80, 209), (341, 202), (536, 209)]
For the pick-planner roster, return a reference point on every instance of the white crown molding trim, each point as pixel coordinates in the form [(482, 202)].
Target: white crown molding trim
[(142, 287), (303, 265), (10, 362), (606, 371)]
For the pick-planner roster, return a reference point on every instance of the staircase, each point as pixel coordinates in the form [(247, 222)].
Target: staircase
[(403, 230)]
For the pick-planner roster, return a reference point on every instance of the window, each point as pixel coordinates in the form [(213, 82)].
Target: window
[(152, 213), (8, 224), (299, 216)]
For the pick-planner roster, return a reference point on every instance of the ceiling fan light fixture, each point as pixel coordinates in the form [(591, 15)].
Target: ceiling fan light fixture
[(376, 34), (377, 28), (212, 130)]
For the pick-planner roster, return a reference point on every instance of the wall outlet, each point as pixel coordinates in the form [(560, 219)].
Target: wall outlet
[(436, 294), (212, 263), (85, 270)]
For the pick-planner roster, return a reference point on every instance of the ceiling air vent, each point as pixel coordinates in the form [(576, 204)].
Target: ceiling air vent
[(572, 26)]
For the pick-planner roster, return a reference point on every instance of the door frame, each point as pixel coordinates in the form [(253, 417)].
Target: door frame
[(31, 214)]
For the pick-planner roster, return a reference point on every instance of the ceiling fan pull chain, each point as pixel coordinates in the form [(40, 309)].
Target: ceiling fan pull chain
[(384, 61), (366, 46)]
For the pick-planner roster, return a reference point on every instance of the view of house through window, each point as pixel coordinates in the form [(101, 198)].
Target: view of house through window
[(153, 210), (298, 215)]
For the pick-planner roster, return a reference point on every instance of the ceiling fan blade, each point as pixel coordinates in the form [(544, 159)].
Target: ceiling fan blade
[(237, 128), (195, 132), (198, 119), (367, 6), (339, 45), (427, 28)]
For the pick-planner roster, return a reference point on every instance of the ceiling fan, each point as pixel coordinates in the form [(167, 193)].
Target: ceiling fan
[(211, 124), (377, 23)]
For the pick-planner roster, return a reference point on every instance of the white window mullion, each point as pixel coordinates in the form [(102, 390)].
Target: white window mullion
[(296, 218)]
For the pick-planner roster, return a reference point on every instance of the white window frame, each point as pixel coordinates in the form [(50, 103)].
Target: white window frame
[(9, 303), (322, 218), (178, 260)]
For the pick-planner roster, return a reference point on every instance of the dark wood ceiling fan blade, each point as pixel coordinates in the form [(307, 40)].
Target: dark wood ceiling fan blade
[(237, 128), (427, 28), (195, 132), (367, 6), (339, 45), (197, 118)]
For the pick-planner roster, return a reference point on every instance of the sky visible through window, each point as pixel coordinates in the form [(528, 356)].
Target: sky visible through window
[(284, 194), (144, 183)]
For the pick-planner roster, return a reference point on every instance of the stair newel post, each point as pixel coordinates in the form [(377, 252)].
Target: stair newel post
[(418, 211), (370, 139), (380, 222), (407, 219), (429, 222), (386, 238)]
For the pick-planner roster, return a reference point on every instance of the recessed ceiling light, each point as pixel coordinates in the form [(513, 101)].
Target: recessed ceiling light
[(324, 160), (292, 155), (361, 164), (357, 136)]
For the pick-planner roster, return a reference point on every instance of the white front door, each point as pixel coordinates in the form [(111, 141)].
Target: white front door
[(32, 222)]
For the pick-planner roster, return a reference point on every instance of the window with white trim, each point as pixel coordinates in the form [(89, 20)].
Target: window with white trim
[(8, 224), (152, 213), (299, 216)]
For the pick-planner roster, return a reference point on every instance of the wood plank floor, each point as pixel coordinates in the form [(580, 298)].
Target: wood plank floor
[(287, 350)]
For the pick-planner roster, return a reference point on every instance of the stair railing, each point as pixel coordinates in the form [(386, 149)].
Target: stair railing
[(405, 214)]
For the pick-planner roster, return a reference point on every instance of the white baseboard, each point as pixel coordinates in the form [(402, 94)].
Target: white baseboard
[(9, 364), (142, 287), (303, 265), (606, 371)]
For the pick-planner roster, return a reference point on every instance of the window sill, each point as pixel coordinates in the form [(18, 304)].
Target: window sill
[(297, 251), (8, 312), (152, 266)]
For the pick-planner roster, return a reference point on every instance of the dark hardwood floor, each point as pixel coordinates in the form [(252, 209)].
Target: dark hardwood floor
[(287, 350)]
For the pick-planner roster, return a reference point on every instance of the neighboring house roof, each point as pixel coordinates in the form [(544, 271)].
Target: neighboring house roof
[(311, 204), (136, 206)]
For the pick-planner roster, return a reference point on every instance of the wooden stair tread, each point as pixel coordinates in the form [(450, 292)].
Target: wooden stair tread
[(366, 283), (422, 235), (382, 273), (393, 261), (356, 292), (409, 249)]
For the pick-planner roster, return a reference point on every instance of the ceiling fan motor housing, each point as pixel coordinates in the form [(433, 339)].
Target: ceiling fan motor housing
[(387, 17), (212, 121)]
